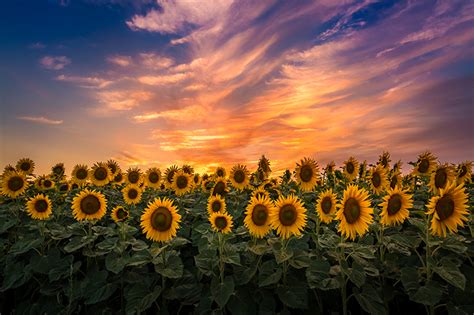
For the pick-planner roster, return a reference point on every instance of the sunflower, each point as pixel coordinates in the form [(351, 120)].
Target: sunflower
[(463, 172), (363, 170), (330, 167), (100, 174), (307, 174), (351, 168), (188, 169), (196, 180), (395, 207), (257, 216), (133, 176), (182, 183), (25, 165), (326, 206), (206, 185), (216, 204), (64, 187), (220, 186), (153, 177), (384, 160), (260, 192), (119, 214), (378, 179), (354, 213), (440, 177), (220, 172), (58, 170), (8, 168), (80, 173), (425, 165), (288, 217), (160, 220), (169, 174), (132, 194), (397, 167), (13, 184), (113, 167), (221, 222), (239, 177), (46, 182), (264, 167), (449, 209), (395, 180), (118, 178), (89, 205), (39, 207)]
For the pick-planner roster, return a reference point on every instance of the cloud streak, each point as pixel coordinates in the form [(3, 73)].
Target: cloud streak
[(54, 62), (40, 120)]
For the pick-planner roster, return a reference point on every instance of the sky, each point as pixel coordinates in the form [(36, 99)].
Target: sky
[(155, 82)]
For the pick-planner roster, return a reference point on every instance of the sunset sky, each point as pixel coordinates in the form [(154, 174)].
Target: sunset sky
[(154, 83)]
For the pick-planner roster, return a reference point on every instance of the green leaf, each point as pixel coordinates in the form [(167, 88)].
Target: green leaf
[(409, 277), (452, 275), (138, 245), (15, 275), (108, 244), (269, 274), (294, 296), (179, 241), (7, 222), (140, 258), (300, 259), (78, 242), (221, 292), (370, 300), (357, 274), (430, 294), (115, 263), (231, 256), (173, 267), (139, 298), (205, 261), (61, 269), (317, 271), (96, 288), (259, 248), (24, 246)]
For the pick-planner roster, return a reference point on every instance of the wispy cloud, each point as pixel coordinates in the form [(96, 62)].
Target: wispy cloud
[(37, 45), (120, 100), (54, 62), (119, 60), (40, 120), (86, 82)]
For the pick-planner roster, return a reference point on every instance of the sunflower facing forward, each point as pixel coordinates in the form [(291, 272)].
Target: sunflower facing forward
[(216, 204), (100, 174), (133, 176), (288, 216), (132, 194), (220, 172), (113, 167), (182, 183), (79, 174), (160, 220), (221, 222), (39, 207), (153, 177), (351, 168), (355, 213), (257, 216), (220, 186), (239, 177), (378, 179), (119, 214), (449, 209), (326, 206), (425, 165), (440, 177), (307, 174), (13, 184), (25, 165), (395, 207), (169, 174), (89, 205)]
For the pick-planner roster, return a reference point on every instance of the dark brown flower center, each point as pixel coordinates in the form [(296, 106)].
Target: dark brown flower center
[(100, 173), (47, 183), (153, 177), (90, 204), (41, 205), (133, 177), (132, 193), (393, 182), (445, 207), (350, 167), (441, 178), (112, 167), (121, 214), (259, 215), (351, 210), (81, 174), (326, 204), (216, 206), (196, 179), (376, 179), (161, 219), (25, 166), (423, 166), (58, 170), (118, 178), (64, 187), (288, 215), (306, 173), (15, 183), (239, 176), (219, 188), (463, 171), (182, 182), (169, 176), (220, 173), (221, 223), (394, 204)]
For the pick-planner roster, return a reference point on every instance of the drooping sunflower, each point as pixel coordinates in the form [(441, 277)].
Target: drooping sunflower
[(100, 174), (395, 180), (113, 167), (449, 209), (220, 172), (132, 194), (239, 177), (354, 212), (169, 174), (288, 217), (395, 207), (80, 173), (264, 167), (119, 214), (221, 222), (89, 205), (351, 168), (440, 177), (39, 207), (13, 184), (133, 176), (220, 186), (153, 177), (25, 165), (463, 172), (196, 180), (307, 174), (257, 216), (384, 160), (378, 179), (330, 167), (326, 206), (160, 220), (216, 204), (182, 183), (425, 165), (58, 170), (188, 169)]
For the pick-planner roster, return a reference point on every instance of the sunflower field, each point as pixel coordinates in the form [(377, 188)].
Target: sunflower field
[(359, 238)]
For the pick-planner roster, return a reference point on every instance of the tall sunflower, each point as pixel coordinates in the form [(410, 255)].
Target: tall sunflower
[(378, 179), (206, 184), (239, 177), (288, 216), (8, 168), (132, 194), (39, 207), (257, 216), (13, 184), (221, 222), (220, 172), (64, 187), (307, 174), (384, 160), (58, 170), (351, 168), (395, 180), (153, 177), (188, 169), (46, 182), (463, 172), (25, 165), (100, 174), (196, 180), (160, 220), (326, 206), (354, 213), (133, 176), (395, 207), (89, 205), (425, 165), (440, 177), (363, 170), (397, 167), (169, 174), (181, 183), (119, 214), (264, 167), (113, 167), (220, 186), (80, 173), (449, 209), (216, 204)]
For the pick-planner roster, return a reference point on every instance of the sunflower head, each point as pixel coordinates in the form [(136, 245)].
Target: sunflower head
[(118, 178), (119, 214), (196, 180), (8, 168), (25, 165), (384, 160), (326, 206), (188, 169), (463, 172), (133, 176), (46, 182), (220, 186), (264, 166), (206, 185), (307, 174), (440, 177), (260, 192), (395, 180), (13, 184), (80, 173), (64, 187), (58, 170), (351, 168), (113, 167), (153, 177), (425, 165), (89, 205), (378, 179), (100, 174), (397, 167), (220, 172), (330, 167), (354, 212), (132, 194), (257, 216), (160, 220), (449, 209), (216, 204), (239, 177), (288, 217), (39, 207), (395, 207), (182, 183), (169, 174), (221, 222)]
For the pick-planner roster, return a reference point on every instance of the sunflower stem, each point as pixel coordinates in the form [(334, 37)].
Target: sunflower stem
[(221, 260), (428, 256), (343, 282), (163, 278)]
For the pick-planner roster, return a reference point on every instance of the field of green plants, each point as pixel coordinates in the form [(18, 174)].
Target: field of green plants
[(351, 239)]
